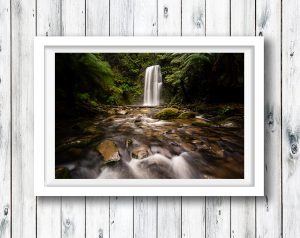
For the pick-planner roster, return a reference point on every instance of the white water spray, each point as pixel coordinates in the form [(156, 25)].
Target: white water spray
[(153, 84)]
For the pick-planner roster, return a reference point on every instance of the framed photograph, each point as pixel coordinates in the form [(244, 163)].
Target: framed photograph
[(149, 116)]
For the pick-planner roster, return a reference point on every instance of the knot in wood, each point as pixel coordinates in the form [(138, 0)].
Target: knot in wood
[(68, 222), (5, 210), (270, 120), (166, 10), (100, 233), (198, 22), (294, 148)]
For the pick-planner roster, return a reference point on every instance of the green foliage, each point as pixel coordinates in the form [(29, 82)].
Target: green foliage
[(167, 113), (201, 123), (187, 115), (118, 78)]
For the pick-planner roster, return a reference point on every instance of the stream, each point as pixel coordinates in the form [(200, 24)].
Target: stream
[(129, 143)]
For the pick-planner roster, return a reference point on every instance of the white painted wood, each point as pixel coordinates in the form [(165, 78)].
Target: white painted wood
[(242, 217), (290, 117), (217, 208), (48, 217), (73, 217), (169, 17), (97, 217), (193, 217), (73, 208), (121, 217), (193, 208), (193, 17), (268, 208), (242, 208), (169, 217), (217, 217), (218, 17), (73, 17), (5, 120), (242, 18), (97, 17), (145, 17), (48, 208), (48, 20), (121, 17), (145, 217), (23, 200)]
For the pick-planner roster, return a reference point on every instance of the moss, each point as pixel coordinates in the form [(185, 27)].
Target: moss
[(167, 113), (187, 115), (62, 173), (201, 123)]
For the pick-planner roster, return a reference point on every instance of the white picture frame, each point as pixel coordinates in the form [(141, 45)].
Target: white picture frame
[(45, 183)]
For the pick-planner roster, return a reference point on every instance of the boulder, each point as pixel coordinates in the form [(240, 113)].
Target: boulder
[(62, 173), (167, 113), (187, 115), (122, 112), (140, 152), (109, 151)]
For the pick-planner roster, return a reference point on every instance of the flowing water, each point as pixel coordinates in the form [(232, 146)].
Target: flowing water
[(152, 87), (169, 149)]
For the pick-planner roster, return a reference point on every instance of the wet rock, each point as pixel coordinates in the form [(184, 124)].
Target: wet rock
[(129, 142), (122, 112), (187, 146), (138, 119), (187, 115), (109, 150), (140, 152), (145, 110), (62, 173), (201, 123), (216, 149), (167, 113)]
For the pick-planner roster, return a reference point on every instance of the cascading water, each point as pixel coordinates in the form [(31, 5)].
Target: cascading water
[(153, 84)]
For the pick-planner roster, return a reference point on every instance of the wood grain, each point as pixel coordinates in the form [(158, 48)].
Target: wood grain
[(121, 17), (169, 217), (21, 216), (97, 217), (242, 208), (193, 18), (48, 208), (97, 18), (5, 121), (73, 217), (290, 118), (169, 17), (193, 217), (145, 17), (121, 217), (23, 201), (268, 208)]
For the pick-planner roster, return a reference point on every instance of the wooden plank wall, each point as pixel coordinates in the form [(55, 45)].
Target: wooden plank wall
[(274, 215)]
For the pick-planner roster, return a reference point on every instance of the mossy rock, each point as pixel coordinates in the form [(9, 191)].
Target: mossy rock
[(167, 113), (186, 115), (201, 123), (62, 173)]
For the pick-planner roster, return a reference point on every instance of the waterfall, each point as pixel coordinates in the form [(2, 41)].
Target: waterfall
[(153, 84)]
